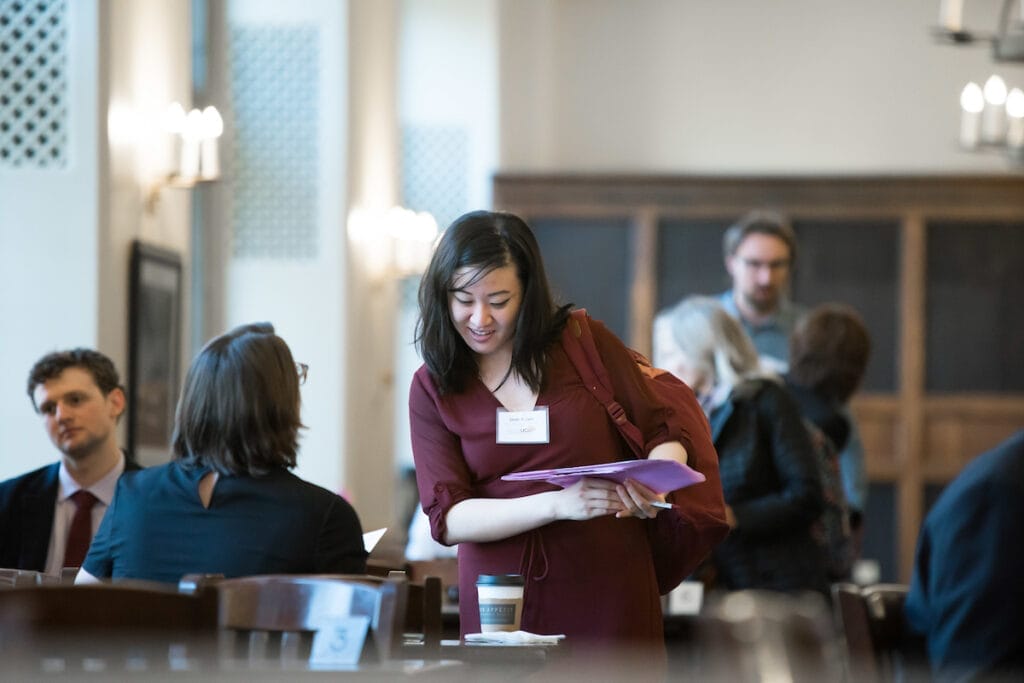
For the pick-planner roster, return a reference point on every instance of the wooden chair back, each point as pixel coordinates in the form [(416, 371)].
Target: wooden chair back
[(109, 627), (422, 623), (851, 617), (309, 620), (879, 644)]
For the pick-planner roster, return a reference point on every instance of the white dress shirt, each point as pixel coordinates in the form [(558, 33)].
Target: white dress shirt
[(64, 511)]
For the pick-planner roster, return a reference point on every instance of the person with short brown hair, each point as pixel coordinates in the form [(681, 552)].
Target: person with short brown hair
[(760, 251), (78, 394), (829, 351)]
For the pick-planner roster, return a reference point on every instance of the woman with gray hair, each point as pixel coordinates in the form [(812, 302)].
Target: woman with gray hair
[(767, 463)]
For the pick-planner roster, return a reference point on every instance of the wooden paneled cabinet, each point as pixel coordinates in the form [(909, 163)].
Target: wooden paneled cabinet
[(935, 265)]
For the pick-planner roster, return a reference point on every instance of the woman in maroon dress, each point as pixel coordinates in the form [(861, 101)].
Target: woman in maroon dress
[(497, 394)]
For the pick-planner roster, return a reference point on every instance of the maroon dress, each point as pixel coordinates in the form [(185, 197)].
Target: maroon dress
[(591, 580)]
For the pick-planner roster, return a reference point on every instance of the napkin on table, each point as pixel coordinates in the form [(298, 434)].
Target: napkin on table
[(512, 638)]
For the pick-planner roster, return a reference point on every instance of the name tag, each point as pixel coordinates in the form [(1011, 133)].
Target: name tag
[(523, 426)]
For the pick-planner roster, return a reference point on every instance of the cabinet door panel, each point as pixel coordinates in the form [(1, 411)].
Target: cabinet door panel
[(975, 286), (589, 264)]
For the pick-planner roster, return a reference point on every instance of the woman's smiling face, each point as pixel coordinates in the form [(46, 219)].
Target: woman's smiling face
[(484, 309)]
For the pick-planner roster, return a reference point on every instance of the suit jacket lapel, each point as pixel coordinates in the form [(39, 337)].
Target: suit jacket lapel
[(36, 519)]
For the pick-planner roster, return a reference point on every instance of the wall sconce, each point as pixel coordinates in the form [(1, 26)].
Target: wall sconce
[(394, 243), (196, 137)]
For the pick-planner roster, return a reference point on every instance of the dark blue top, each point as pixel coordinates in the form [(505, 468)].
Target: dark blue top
[(157, 528), (967, 591)]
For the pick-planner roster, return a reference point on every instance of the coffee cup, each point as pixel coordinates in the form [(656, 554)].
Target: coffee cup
[(501, 601)]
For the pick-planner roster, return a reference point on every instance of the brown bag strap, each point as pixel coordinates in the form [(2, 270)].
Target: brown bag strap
[(579, 344)]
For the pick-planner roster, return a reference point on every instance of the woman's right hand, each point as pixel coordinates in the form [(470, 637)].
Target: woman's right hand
[(481, 520), (588, 498)]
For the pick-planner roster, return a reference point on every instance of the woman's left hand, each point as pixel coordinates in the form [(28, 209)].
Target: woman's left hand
[(637, 499)]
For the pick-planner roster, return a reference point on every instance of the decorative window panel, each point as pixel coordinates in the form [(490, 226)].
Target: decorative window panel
[(274, 74), (434, 171), (33, 84)]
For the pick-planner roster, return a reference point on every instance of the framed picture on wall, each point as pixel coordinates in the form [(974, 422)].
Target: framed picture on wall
[(154, 350)]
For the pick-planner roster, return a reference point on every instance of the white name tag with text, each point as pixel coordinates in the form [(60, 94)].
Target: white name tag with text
[(523, 426)]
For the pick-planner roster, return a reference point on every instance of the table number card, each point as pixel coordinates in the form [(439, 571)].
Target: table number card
[(339, 642)]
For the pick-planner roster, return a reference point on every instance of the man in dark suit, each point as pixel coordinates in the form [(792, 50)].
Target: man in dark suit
[(48, 516)]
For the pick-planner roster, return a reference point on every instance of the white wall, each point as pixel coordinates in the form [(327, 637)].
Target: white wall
[(145, 48), (48, 246), (804, 86), (63, 245), (448, 75), (304, 297)]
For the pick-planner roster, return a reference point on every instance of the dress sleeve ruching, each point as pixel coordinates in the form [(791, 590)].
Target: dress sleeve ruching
[(442, 475)]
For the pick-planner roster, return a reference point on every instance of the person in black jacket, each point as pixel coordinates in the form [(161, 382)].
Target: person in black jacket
[(770, 478)]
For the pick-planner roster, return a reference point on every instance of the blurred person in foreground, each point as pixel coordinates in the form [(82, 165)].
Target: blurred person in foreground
[(967, 591), (769, 471), (227, 503)]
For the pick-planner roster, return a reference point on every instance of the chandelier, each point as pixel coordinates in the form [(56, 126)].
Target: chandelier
[(991, 117)]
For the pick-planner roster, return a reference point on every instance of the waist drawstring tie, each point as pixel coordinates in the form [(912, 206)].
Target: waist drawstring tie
[(534, 550)]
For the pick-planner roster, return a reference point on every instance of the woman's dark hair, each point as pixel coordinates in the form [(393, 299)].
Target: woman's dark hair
[(486, 240), (829, 350), (239, 408)]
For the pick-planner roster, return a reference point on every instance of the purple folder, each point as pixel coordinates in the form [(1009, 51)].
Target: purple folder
[(661, 476)]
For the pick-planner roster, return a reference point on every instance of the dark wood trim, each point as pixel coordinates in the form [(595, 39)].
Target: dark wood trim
[(936, 195)]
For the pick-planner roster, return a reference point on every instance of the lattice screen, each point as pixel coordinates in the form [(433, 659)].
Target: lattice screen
[(434, 170), (274, 76), (33, 83)]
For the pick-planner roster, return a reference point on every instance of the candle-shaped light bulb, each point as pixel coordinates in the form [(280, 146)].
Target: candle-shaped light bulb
[(972, 102), (174, 118), (951, 13), (995, 90), (971, 98), (993, 121), (212, 128), (1015, 119), (213, 124), (191, 133)]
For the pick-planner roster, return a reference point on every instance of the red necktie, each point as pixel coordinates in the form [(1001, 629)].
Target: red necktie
[(80, 534)]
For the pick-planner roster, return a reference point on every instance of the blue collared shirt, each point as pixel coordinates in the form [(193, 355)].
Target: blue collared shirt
[(771, 338)]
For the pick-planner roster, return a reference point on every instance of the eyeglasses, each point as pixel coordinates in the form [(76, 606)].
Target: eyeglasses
[(303, 371), (754, 264)]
